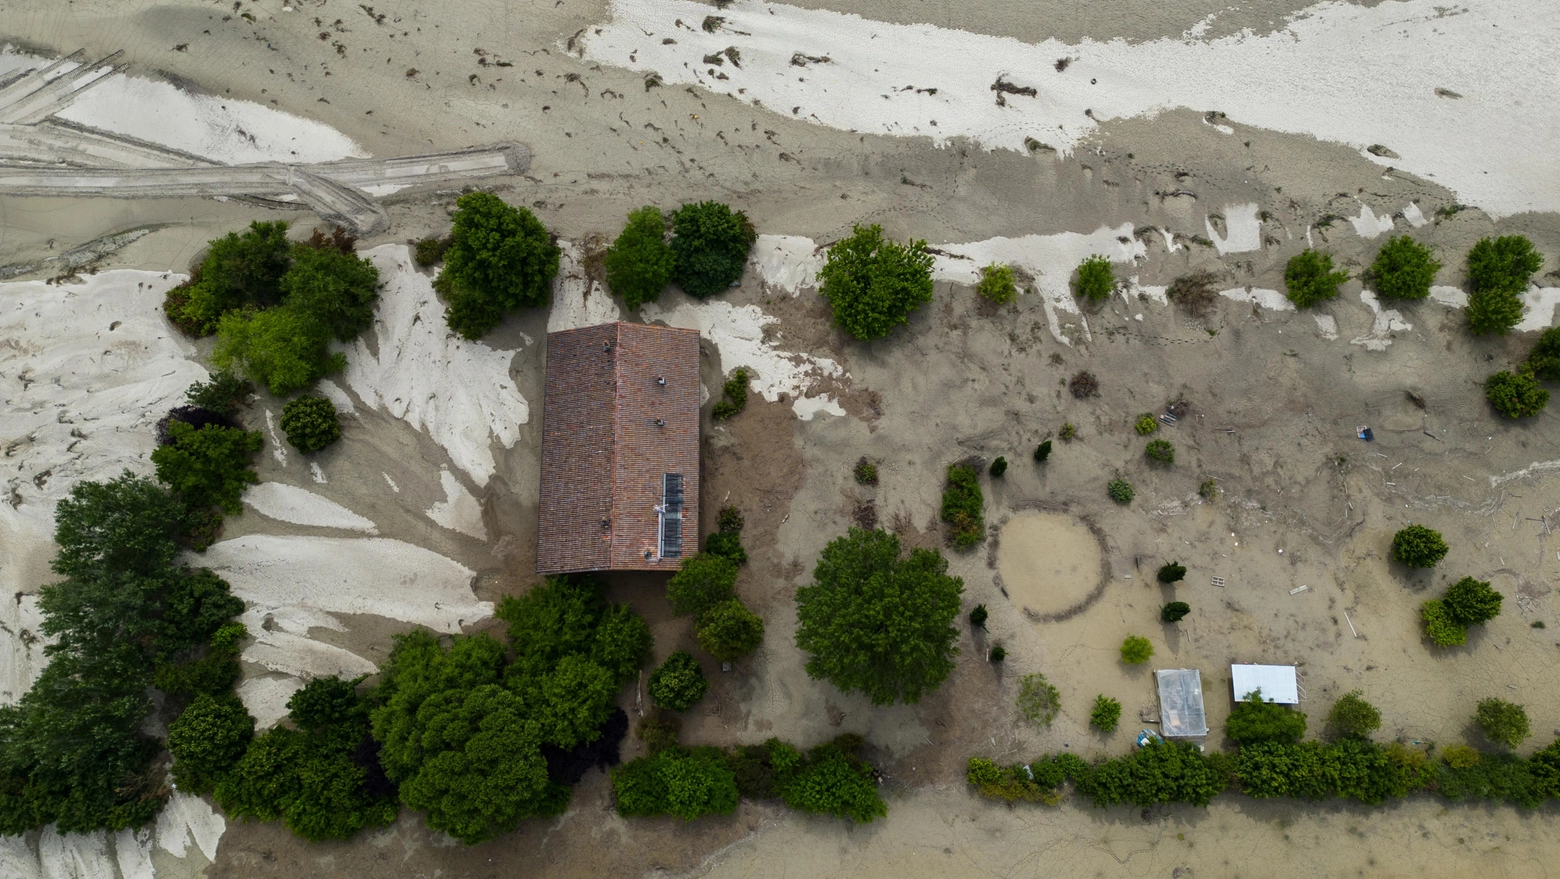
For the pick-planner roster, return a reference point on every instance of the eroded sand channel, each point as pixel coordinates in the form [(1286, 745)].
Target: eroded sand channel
[(1050, 563)]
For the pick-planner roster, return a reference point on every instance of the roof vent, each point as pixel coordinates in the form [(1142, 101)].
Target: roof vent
[(660, 422), (606, 346), (660, 380), (606, 523)]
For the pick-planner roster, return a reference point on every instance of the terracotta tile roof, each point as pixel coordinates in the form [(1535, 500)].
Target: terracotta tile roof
[(611, 431)]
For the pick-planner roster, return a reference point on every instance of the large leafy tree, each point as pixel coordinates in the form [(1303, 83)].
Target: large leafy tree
[(239, 271), (1309, 278), (1404, 269), (1254, 719), (338, 290), (710, 244), (640, 262), (729, 631), (208, 739), (500, 258), (872, 284), (209, 466), (1498, 272), (283, 348), (701, 583), (551, 621), (878, 624)]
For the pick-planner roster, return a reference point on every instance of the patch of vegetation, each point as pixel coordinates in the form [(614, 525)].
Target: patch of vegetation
[(1404, 269), (688, 783), (1209, 489), (997, 284), (1120, 491), (873, 284), (1418, 547), (240, 270), (1136, 650), (1145, 424), (1195, 293), (207, 740), (1171, 572), (1175, 611), (224, 394), (1082, 386), (978, 617), (1043, 451), (963, 507), (861, 589), (701, 583), (1492, 311), (1067, 432), (998, 467), (998, 653), (866, 472), (500, 258), (1352, 717), (640, 263), (283, 348), (1441, 627), (1504, 723), (710, 244), (310, 423), (1472, 602), (1106, 714), (208, 467), (1515, 394), (727, 539), (1254, 719), (678, 683), (734, 395), (429, 251), (1543, 362), (1160, 452), (729, 631), (1309, 278), (1095, 280), (1038, 700), (336, 290), (1502, 265)]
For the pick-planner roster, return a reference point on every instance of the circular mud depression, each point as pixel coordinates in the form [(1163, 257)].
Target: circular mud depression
[(1051, 565)]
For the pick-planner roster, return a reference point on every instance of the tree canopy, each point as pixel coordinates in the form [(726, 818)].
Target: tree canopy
[(710, 245), (208, 467), (729, 631), (1404, 269), (873, 284), (1309, 278), (310, 423), (208, 739), (1515, 394), (338, 290), (1418, 546), (640, 263), (878, 624), (283, 348), (500, 258), (1095, 279), (1254, 719), (701, 583), (241, 270)]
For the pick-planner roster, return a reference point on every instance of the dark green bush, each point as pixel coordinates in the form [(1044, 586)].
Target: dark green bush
[(622, 642), (1418, 547), (310, 423), (1136, 650), (207, 740), (1106, 714), (978, 616), (998, 653), (1404, 269), (1515, 394), (734, 395), (500, 258), (640, 263), (873, 284), (239, 271), (224, 394), (729, 631), (726, 544), (1493, 311), (1440, 626), (336, 290), (1171, 572), (1120, 490), (1095, 279), (1159, 773), (832, 780), (1544, 360), (1352, 717), (1043, 451), (1502, 265), (1254, 719), (688, 783), (874, 623), (710, 244), (1160, 451), (1038, 700), (998, 467), (658, 730), (729, 521), (1175, 611), (1471, 602), (678, 682), (963, 507), (429, 251), (866, 472), (701, 583), (209, 467), (997, 284), (1082, 385), (1504, 723), (559, 618), (1309, 278)]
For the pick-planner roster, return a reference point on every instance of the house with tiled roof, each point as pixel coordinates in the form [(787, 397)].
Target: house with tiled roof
[(620, 449)]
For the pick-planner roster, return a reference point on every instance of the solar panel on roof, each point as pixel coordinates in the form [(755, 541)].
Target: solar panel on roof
[(671, 515)]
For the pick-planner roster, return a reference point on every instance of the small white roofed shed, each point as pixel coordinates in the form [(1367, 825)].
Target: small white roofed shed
[(1181, 714), (1278, 683)]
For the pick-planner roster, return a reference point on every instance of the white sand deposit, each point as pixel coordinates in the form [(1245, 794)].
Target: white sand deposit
[(460, 510), (1243, 232), (578, 301), (789, 262), (1385, 322), (21, 646), (189, 819), (460, 392), (1339, 71), (1369, 224), (266, 698), (186, 821), (288, 503)]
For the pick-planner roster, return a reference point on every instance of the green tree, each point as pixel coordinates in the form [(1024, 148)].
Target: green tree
[(1120, 490), (874, 623), (1038, 700), (873, 284), (1352, 717), (729, 631), (1471, 602), (1544, 360), (553, 620), (678, 683), (337, 290), (1253, 719), (1171, 572), (222, 395), (676, 781), (1160, 452), (573, 701), (311, 423), (1502, 265), (997, 283), (1493, 311), (1136, 650), (640, 263), (710, 244), (834, 782), (207, 740), (208, 467), (1106, 714), (282, 348), (500, 258), (239, 271), (701, 583), (1175, 611), (1441, 627), (1095, 279), (1515, 394), (1504, 723), (1309, 278), (1418, 547), (622, 642), (264, 783), (1404, 269), (963, 506)]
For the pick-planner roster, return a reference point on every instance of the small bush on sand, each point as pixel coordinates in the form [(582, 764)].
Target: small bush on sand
[(963, 507), (1038, 701), (1175, 611), (1043, 451), (1067, 432), (1472, 602), (1309, 278), (1404, 269), (1352, 717), (677, 683), (997, 284), (1418, 547), (1160, 452), (1441, 627), (1095, 279), (310, 423), (1504, 723), (1515, 394), (1544, 360), (1106, 714), (640, 263), (978, 616), (998, 467), (710, 245), (429, 251), (1084, 385), (1171, 572), (866, 472), (1209, 489), (873, 284), (1502, 265), (1195, 293), (998, 653), (1136, 650), (1120, 491), (1145, 424), (734, 395)]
